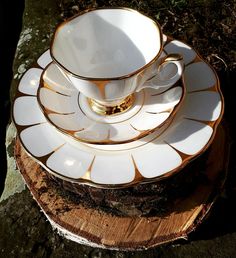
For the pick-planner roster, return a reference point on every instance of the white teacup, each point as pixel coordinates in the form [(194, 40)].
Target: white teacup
[(108, 54)]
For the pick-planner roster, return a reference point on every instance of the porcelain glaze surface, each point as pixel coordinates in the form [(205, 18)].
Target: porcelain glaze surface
[(104, 43), (107, 58), (69, 111), (119, 165)]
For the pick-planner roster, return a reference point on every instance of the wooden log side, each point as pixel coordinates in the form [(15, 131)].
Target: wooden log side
[(105, 230)]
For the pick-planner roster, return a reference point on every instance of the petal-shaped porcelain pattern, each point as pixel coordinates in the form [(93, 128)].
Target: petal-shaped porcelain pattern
[(30, 81), (122, 132), (67, 121), (45, 59), (56, 102), (163, 102), (95, 132), (179, 47), (156, 162), (70, 161), (149, 120), (115, 165), (41, 139), (119, 169), (204, 105), (138, 103), (150, 112), (189, 136), (199, 76), (56, 81), (26, 111), (129, 147)]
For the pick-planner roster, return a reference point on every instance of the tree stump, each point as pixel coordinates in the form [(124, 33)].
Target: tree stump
[(96, 228)]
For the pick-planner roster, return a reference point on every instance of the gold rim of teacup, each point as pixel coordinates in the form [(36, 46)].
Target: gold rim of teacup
[(156, 24)]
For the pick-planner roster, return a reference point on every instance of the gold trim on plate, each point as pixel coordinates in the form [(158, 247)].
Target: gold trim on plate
[(138, 179)]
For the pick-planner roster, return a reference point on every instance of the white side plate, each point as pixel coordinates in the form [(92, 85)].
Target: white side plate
[(120, 165)]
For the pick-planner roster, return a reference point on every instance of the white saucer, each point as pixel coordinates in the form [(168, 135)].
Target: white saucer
[(120, 165), (69, 111)]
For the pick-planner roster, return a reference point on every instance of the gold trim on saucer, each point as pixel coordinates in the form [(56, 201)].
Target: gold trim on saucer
[(173, 57), (101, 109), (46, 86), (138, 178)]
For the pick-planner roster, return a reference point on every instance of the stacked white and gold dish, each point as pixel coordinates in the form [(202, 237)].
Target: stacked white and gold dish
[(107, 119), (115, 102)]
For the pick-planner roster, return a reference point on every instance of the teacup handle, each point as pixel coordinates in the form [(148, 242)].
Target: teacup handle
[(161, 79)]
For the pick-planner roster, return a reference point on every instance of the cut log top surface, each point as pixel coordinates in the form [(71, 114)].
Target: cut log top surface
[(95, 227)]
